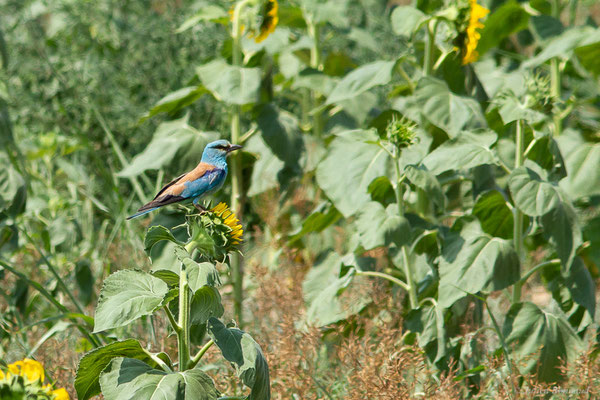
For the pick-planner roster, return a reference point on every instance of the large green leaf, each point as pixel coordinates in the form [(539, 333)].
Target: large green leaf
[(406, 20), (445, 109), (589, 57), (93, 363), (206, 303), (428, 322), (362, 79), (511, 109), (175, 101), (127, 295), (156, 234), (381, 227), (320, 218), (563, 45), (540, 340), (13, 190), (233, 85), (209, 12), (281, 132), (466, 151), (172, 140), (509, 18), (324, 285), (131, 379), (353, 161), (473, 264), (239, 348), (581, 161), (562, 228), (494, 214), (531, 193), (267, 168), (426, 181)]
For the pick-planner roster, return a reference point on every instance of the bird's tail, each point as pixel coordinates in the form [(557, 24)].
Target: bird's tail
[(137, 214)]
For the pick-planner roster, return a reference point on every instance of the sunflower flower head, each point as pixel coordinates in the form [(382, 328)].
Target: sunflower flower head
[(261, 18), (268, 20), (25, 378), (229, 219), (472, 36), (215, 232), (401, 132)]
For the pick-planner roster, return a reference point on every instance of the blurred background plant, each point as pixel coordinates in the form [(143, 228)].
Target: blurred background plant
[(418, 188)]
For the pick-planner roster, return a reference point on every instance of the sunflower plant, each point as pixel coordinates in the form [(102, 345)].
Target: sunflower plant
[(189, 298), (24, 379)]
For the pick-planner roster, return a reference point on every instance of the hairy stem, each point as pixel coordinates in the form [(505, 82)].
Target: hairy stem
[(236, 167), (410, 280), (314, 32), (183, 335), (517, 214), (429, 47)]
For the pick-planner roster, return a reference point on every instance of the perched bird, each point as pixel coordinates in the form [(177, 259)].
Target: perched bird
[(205, 179)]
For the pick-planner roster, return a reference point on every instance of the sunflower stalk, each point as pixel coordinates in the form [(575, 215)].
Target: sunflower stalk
[(314, 31), (517, 214), (236, 165)]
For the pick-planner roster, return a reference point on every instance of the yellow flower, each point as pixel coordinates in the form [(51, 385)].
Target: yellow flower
[(27, 368), (60, 394), (229, 219), (269, 20), (476, 13)]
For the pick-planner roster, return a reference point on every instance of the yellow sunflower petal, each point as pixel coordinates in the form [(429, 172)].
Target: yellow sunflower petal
[(270, 20), (61, 394), (470, 53)]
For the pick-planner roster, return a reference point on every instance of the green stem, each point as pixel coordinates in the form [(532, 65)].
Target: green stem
[(314, 32), (555, 78), (555, 83), (236, 166), (517, 214), (183, 335), (384, 276), (172, 321), (410, 280), (429, 47), (200, 354), (157, 360), (504, 349), (538, 267)]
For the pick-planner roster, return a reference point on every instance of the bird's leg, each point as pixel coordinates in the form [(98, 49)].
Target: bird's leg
[(199, 207)]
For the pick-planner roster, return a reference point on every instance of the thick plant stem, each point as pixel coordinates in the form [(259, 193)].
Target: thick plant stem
[(237, 272), (408, 271), (517, 214), (183, 335), (314, 31), (555, 78), (429, 47)]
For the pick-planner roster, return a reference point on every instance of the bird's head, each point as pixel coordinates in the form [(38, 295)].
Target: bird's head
[(218, 150)]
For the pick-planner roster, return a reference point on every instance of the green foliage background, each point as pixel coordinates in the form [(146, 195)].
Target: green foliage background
[(370, 153)]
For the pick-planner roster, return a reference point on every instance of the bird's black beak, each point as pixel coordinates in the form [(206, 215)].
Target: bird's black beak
[(233, 147)]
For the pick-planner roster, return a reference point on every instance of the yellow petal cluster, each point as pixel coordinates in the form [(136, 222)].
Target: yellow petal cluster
[(270, 19), (229, 219), (476, 13), (33, 372), (30, 369)]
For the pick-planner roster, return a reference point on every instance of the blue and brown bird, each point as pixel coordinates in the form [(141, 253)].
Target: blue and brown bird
[(205, 179)]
